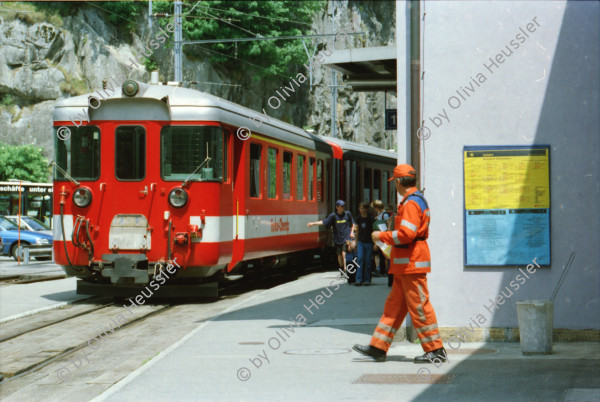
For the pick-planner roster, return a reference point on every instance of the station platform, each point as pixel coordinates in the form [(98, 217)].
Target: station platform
[(254, 352), (19, 300)]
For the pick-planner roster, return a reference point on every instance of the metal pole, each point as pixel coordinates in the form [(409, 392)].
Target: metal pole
[(177, 47), (403, 77), (19, 228), (334, 82)]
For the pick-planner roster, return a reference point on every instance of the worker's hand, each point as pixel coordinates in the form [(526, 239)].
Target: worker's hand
[(310, 224), (375, 236)]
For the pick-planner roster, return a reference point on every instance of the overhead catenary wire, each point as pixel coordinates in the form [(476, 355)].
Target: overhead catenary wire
[(202, 47)]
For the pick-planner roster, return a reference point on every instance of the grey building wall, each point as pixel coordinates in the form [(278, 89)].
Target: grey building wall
[(545, 92)]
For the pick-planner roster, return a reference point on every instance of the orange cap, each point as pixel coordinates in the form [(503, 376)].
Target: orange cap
[(403, 171)]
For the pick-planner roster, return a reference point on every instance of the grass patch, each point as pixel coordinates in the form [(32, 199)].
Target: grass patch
[(28, 13)]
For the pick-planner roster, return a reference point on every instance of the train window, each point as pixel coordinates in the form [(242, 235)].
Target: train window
[(376, 184), (225, 156), (78, 155), (255, 187), (311, 176), (300, 176), (384, 188), (272, 179), (191, 149), (326, 180), (130, 153), (320, 189), (287, 176), (367, 185)]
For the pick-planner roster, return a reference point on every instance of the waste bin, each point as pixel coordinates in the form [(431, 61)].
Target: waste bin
[(535, 326)]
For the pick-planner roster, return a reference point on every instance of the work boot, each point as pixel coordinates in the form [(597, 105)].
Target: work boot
[(371, 351), (429, 357)]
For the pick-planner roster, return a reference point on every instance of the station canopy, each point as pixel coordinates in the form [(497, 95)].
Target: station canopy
[(366, 69)]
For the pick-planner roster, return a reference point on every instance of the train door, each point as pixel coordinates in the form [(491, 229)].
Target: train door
[(132, 190), (238, 200)]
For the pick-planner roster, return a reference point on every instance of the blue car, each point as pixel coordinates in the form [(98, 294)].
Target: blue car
[(41, 243)]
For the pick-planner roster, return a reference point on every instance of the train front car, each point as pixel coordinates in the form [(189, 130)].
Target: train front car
[(142, 185)]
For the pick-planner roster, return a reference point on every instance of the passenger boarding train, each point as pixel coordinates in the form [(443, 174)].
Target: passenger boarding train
[(158, 173)]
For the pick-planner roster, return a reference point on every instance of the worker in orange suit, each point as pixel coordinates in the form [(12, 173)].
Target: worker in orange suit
[(409, 263)]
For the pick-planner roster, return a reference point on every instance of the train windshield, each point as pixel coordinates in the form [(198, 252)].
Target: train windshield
[(191, 149), (77, 151)]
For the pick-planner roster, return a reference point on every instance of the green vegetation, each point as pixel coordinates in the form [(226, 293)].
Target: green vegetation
[(150, 64), (7, 100), (23, 162), (122, 14), (28, 13), (215, 19)]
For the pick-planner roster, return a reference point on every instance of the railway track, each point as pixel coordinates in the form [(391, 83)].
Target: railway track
[(30, 278)]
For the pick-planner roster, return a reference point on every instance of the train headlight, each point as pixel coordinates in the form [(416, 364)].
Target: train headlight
[(178, 197), (130, 88), (82, 197)]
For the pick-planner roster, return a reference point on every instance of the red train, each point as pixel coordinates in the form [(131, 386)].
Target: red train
[(158, 173)]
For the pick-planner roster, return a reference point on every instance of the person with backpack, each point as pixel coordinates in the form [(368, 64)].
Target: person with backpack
[(343, 226), (410, 263)]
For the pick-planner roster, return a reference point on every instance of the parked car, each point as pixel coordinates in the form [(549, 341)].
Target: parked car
[(41, 243), (30, 223)]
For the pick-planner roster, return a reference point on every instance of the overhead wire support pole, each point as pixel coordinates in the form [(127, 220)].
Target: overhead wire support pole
[(177, 48), (334, 87)]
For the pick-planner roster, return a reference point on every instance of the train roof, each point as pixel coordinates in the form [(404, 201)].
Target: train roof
[(352, 149), (172, 103)]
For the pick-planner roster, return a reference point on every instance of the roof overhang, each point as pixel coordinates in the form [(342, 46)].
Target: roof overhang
[(366, 69)]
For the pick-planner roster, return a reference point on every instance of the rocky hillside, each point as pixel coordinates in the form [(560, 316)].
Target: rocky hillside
[(44, 59)]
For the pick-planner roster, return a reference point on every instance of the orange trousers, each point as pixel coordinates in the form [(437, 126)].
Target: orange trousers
[(409, 294)]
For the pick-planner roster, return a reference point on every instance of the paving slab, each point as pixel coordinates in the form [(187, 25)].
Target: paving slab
[(23, 299), (287, 344)]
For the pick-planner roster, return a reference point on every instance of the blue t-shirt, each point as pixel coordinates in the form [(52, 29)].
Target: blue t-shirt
[(342, 225)]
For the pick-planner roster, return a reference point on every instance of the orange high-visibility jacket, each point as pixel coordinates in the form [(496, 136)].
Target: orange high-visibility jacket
[(410, 253)]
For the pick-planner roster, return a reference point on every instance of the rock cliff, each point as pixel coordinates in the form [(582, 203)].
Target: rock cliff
[(44, 61)]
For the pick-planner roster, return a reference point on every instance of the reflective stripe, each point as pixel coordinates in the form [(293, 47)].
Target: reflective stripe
[(426, 328), (422, 294), (382, 337), (421, 313), (408, 225), (422, 264), (395, 237), (427, 213), (401, 260), (387, 328), (430, 338)]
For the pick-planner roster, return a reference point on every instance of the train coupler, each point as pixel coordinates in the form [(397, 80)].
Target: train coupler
[(125, 268)]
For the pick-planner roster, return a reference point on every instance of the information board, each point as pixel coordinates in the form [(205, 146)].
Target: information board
[(507, 205)]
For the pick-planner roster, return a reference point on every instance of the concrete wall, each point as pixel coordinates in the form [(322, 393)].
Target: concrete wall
[(546, 92)]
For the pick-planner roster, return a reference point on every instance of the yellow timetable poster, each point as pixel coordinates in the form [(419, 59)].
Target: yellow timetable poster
[(507, 204), (497, 179)]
